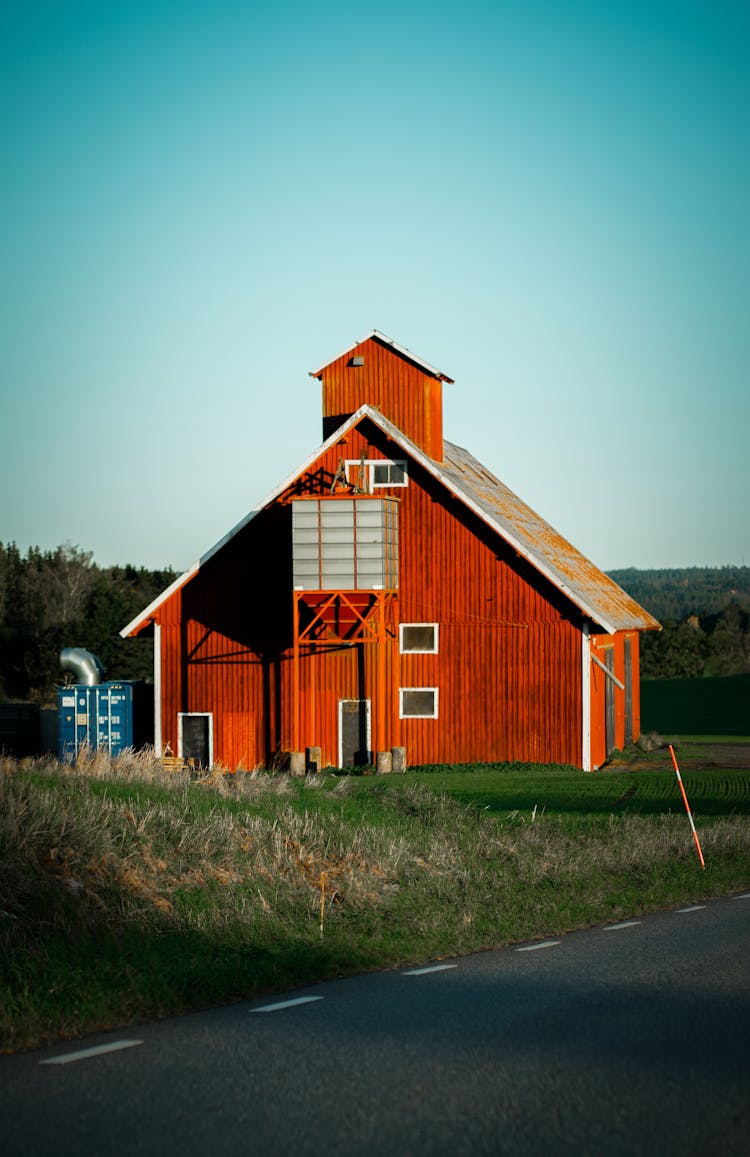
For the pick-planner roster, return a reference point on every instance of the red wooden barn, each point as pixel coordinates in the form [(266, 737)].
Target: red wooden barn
[(391, 595)]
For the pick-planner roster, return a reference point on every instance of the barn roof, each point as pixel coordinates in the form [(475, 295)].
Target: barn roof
[(587, 587), (399, 349)]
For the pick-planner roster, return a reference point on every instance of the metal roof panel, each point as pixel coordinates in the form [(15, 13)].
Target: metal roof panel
[(589, 587)]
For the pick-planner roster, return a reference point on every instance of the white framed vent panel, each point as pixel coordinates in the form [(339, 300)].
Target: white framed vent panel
[(345, 543)]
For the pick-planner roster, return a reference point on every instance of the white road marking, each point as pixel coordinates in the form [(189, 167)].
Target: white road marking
[(693, 908), (625, 924), (541, 944), (286, 1004), (96, 1051), (744, 896), (430, 968)]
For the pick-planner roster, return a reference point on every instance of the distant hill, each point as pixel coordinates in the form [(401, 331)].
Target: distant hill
[(673, 594)]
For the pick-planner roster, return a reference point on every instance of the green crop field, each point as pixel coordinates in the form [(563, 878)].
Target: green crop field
[(691, 707)]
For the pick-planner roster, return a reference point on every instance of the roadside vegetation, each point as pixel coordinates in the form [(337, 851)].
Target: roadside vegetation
[(129, 892)]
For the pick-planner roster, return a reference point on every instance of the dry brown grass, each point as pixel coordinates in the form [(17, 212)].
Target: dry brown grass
[(211, 886)]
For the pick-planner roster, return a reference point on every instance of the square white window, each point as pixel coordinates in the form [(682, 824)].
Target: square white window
[(388, 474), (376, 473), (418, 702), (418, 638)]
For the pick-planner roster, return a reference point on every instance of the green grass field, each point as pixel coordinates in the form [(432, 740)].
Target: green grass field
[(502, 791)]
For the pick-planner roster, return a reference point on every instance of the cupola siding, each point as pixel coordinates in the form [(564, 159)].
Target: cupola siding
[(401, 388), (391, 593)]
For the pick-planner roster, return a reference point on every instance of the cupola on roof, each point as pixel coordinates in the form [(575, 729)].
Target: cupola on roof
[(377, 372)]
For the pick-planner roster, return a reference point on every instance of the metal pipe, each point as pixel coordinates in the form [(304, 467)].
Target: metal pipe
[(87, 668)]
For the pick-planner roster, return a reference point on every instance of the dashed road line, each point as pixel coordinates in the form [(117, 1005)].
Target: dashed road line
[(429, 968), (624, 924), (692, 908), (285, 1004), (540, 944), (744, 896), (96, 1051)]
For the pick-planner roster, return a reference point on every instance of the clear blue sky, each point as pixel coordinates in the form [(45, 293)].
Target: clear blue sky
[(202, 201)]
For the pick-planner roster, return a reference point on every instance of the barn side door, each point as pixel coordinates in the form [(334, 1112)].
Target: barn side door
[(195, 737), (354, 732), (628, 693), (609, 701)]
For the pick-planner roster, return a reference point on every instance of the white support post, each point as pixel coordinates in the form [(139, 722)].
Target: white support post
[(157, 691), (586, 698)]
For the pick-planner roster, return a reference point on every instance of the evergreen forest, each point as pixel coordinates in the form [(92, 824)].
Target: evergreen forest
[(705, 618), (51, 599)]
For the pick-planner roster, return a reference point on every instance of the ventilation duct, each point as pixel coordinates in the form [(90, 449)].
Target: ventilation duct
[(87, 668)]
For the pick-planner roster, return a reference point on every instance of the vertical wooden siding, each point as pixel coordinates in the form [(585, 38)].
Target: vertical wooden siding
[(404, 393)]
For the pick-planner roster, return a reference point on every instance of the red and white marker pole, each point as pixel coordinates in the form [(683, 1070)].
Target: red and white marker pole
[(687, 807)]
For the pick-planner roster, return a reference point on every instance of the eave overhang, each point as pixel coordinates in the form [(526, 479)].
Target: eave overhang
[(399, 349)]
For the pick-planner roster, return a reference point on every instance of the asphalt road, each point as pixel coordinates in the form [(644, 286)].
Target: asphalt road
[(621, 1040)]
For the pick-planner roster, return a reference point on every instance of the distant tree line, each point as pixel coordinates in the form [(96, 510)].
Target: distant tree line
[(61, 598), (673, 594), (705, 616)]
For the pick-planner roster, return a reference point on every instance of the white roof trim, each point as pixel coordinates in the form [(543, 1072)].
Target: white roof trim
[(432, 468), (400, 349), (145, 614)]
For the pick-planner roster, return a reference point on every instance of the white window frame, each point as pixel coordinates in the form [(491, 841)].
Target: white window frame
[(207, 715), (368, 727), (418, 650), (353, 465), (401, 690)]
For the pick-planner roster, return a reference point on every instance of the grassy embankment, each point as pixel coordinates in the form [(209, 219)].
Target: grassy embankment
[(128, 892)]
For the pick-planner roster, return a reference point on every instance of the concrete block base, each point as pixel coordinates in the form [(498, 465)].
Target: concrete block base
[(296, 763), (398, 759), (384, 763)]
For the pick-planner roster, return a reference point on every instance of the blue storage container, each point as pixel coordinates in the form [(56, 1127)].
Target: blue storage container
[(111, 715)]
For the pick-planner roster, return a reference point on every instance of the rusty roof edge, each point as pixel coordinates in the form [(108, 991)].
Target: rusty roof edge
[(394, 345), (460, 492), (533, 558), (550, 571)]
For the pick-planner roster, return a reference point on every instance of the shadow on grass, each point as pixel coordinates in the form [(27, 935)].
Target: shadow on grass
[(552, 804), (57, 987), (713, 706)]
